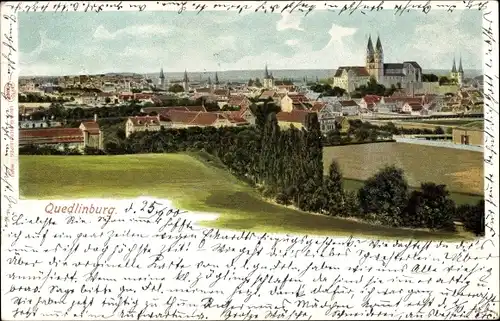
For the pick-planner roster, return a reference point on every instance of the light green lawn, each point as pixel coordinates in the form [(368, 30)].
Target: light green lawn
[(191, 182)]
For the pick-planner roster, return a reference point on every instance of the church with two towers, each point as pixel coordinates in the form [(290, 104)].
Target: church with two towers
[(406, 74)]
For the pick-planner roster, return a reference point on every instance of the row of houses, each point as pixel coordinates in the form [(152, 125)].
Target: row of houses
[(88, 134)]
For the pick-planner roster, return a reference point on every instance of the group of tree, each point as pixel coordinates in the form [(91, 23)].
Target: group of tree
[(176, 88), (443, 81), (254, 83), (374, 88), (34, 98), (386, 199), (327, 90), (430, 78)]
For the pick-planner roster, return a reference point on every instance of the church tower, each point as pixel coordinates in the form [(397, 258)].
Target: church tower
[(453, 73), (268, 79), (162, 79), (460, 74), (379, 61), (185, 81), (370, 57), (216, 80)]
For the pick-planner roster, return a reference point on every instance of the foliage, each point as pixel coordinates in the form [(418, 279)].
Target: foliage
[(373, 88), (334, 192), (430, 207), (473, 217), (430, 78), (176, 88), (327, 90), (384, 196)]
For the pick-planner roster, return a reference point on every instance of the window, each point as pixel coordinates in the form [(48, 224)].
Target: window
[(464, 139)]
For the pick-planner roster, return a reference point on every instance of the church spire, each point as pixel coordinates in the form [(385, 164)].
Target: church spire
[(162, 75), (379, 45), (266, 72), (216, 78), (186, 79), (369, 50), (454, 68), (460, 69)]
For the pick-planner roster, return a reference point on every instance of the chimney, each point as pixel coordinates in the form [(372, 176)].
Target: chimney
[(95, 117)]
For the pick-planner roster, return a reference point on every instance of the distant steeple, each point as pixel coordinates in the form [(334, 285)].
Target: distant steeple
[(378, 46), (266, 72), (369, 50), (216, 78), (162, 75), (460, 69), (454, 68), (209, 81), (186, 79)]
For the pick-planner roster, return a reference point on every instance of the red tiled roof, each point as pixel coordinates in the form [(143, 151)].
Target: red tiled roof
[(295, 116), (298, 98), (240, 101), (347, 103), (416, 106), (50, 136), (178, 116), (91, 126), (357, 70), (371, 99), (142, 96), (318, 106), (221, 92), (145, 120)]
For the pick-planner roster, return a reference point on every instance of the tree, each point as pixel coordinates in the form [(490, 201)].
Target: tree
[(250, 82), (176, 88), (473, 217), (334, 191), (384, 196), (444, 81), (430, 207), (430, 78), (257, 83), (107, 100), (438, 131)]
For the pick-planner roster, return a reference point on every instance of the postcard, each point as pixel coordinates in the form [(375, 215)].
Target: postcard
[(250, 160)]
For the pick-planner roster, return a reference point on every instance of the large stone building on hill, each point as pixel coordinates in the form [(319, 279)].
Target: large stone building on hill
[(407, 74)]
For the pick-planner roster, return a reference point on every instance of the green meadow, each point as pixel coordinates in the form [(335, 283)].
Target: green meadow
[(193, 182)]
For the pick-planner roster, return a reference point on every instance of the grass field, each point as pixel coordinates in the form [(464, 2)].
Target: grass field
[(460, 170), (191, 182)]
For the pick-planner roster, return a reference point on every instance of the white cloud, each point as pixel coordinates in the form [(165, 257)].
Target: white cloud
[(102, 33), (292, 42), (45, 45), (289, 21)]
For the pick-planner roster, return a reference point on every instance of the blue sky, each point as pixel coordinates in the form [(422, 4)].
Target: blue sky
[(76, 43)]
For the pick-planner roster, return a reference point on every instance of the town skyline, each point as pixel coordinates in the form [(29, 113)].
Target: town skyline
[(108, 43)]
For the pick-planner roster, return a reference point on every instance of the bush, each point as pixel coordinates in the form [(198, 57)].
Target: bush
[(472, 216), (430, 207), (385, 196)]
